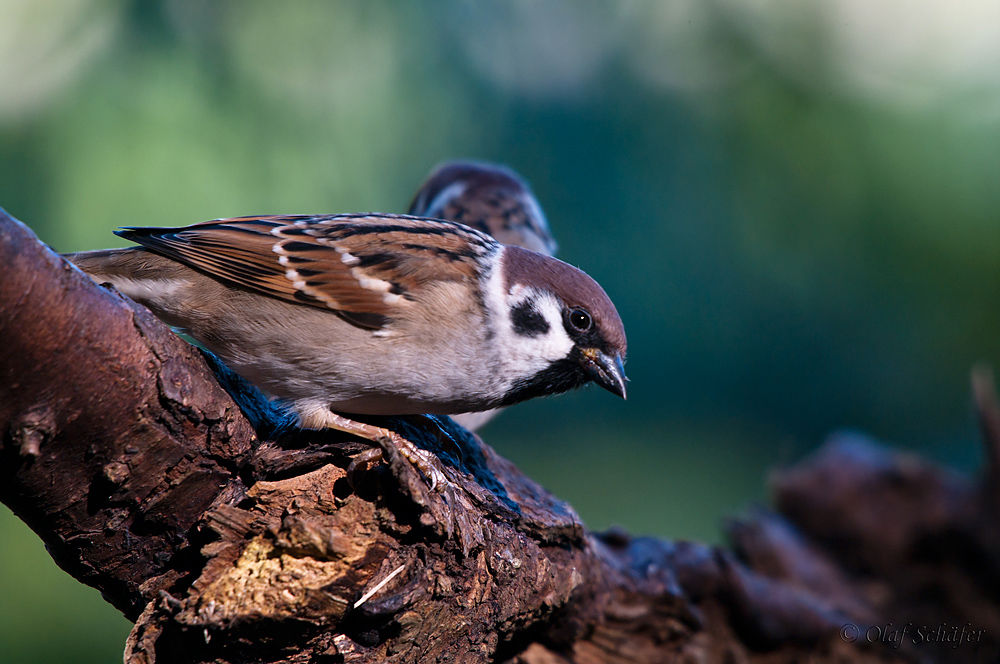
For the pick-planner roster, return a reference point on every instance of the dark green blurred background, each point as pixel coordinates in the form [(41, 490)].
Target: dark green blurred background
[(794, 206)]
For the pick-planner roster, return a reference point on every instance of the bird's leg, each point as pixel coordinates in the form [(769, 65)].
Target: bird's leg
[(422, 460)]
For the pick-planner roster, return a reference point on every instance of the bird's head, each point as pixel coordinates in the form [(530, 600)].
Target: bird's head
[(561, 328)]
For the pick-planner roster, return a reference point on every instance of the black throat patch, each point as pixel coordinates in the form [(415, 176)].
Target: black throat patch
[(560, 376)]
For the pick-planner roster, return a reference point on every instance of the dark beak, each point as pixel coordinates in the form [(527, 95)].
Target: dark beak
[(605, 370)]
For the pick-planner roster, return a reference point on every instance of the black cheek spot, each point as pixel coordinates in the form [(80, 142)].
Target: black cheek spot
[(527, 320)]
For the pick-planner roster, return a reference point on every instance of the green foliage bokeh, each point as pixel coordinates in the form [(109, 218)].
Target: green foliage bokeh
[(800, 230)]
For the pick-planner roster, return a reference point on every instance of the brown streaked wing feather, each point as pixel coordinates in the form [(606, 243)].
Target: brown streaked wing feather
[(361, 266), (407, 252), (238, 250)]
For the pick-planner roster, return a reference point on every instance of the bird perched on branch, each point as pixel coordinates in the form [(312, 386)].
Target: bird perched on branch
[(373, 313)]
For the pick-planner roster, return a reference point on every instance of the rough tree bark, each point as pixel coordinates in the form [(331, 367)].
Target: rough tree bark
[(229, 537)]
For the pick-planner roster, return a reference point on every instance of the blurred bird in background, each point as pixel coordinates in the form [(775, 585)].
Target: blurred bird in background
[(493, 199)]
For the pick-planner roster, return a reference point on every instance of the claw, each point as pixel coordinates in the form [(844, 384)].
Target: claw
[(422, 460)]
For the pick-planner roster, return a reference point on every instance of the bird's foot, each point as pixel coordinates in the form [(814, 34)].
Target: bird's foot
[(420, 473), (422, 460)]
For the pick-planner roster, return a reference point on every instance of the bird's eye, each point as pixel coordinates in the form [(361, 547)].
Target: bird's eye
[(580, 319)]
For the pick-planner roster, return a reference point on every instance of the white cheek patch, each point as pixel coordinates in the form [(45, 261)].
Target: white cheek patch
[(523, 356), (551, 346)]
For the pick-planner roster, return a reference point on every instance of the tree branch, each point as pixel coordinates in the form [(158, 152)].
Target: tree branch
[(146, 480)]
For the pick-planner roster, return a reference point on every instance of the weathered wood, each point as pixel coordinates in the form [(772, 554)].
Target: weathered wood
[(117, 437), (144, 478)]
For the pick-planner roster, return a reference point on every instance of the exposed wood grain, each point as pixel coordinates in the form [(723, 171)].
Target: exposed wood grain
[(125, 455)]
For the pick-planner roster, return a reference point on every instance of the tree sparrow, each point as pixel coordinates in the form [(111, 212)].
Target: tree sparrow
[(490, 198), (373, 313)]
